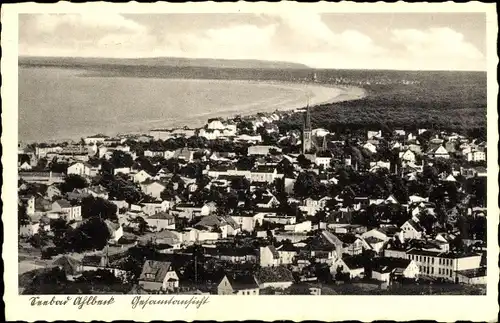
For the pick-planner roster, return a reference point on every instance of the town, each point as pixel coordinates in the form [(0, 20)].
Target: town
[(248, 206)]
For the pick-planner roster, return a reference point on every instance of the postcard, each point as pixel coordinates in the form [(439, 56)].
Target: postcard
[(250, 161)]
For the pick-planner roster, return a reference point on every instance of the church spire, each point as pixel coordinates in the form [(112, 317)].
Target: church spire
[(307, 125), (307, 131)]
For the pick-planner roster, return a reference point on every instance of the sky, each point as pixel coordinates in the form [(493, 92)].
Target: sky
[(401, 41)]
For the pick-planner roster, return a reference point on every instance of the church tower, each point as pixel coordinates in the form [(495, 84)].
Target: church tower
[(307, 132)]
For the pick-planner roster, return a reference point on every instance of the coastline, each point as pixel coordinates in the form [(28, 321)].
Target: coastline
[(317, 93)]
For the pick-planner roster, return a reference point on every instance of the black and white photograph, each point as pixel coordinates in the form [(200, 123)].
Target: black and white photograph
[(266, 153)]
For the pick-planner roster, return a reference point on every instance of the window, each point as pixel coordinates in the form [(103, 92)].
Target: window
[(432, 260), (432, 271)]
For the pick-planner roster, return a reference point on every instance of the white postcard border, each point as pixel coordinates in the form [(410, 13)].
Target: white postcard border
[(268, 308)]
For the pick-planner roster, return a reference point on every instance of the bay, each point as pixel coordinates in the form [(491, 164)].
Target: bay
[(59, 103)]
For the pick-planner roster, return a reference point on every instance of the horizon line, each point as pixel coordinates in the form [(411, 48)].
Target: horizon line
[(253, 60)]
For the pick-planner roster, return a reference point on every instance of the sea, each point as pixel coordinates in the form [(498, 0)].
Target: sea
[(67, 104)]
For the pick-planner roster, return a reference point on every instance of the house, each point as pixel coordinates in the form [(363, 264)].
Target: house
[(249, 139), (153, 208), (374, 134), (376, 244), (263, 173), (353, 265), (29, 229), (248, 221), (114, 263), (46, 178), (97, 191), (161, 221), (141, 176), (305, 226), (95, 139), (444, 265), (72, 212), (154, 153), (311, 206), (153, 188), (261, 150), (412, 230), (210, 134), (472, 276), (36, 224), (449, 178), (287, 254), (385, 269), (165, 237), (268, 256), (375, 166), (407, 156), (25, 166), (351, 244), (370, 147), (233, 255), (239, 284), (53, 191), (438, 152), (121, 170), (481, 171), (376, 239), (266, 201), (190, 210), (376, 233), (80, 168), (71, 266), (29, 202), (226, 225), (275, 277), (476, 156), (115, 230), (158, 276), (215, 124), (323, 158), (184, 154)]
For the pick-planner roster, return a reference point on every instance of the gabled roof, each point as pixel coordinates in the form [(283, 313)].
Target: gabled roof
[(273, 275), (415, 225), (162, 216), (112, 226), (389, 264), (346, 238), (264, 169), (158, 270), (69, 264), (264, 199), (274, 252), (63, 203), (98, 189), (242, 281), (353, 262)]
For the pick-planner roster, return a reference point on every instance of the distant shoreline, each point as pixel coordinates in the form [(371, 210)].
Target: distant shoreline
[(319, 94)]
